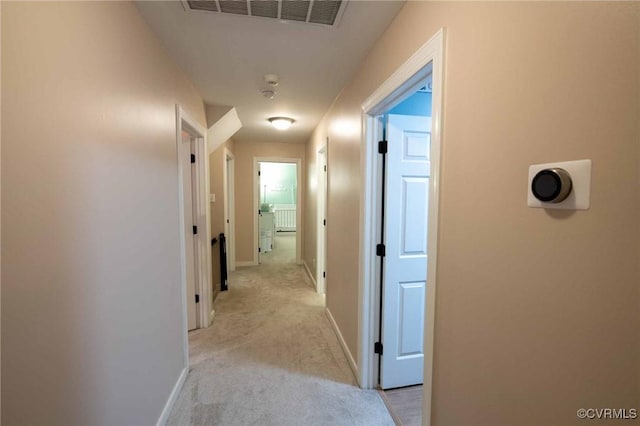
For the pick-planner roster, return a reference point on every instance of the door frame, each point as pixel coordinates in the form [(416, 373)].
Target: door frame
[(204, 313), (256, 203), (228, 183), (321, 248), (404, 81)]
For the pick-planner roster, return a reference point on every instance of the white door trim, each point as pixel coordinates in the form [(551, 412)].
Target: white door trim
[(228, 177), (203, 213), (401, 83), (321, 214), (256, 203)]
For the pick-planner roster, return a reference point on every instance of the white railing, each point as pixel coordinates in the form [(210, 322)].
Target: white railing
[(285, 219)]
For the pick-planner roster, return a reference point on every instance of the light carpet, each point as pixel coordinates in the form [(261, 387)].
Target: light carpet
[(284, 249), (271, 358)]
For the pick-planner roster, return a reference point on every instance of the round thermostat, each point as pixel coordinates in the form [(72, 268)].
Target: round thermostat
[(551, 185)]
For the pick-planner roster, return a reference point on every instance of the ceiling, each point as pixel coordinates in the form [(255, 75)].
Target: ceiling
[(226, 57)]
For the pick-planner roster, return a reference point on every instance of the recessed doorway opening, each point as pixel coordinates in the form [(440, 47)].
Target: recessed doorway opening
[(278, 215)]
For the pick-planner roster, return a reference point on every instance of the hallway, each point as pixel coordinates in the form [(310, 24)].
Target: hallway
[(271, 358)]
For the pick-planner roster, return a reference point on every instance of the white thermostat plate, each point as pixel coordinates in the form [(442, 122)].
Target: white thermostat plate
[(580, 196)]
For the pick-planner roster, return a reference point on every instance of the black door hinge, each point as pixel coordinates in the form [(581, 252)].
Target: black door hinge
[(195, 230), (382, 147), (377, 348), (193, 158), (259, 250), (324, 275), (325, 168), (197, 298), (381, 250), (258, 173), (324, 222)]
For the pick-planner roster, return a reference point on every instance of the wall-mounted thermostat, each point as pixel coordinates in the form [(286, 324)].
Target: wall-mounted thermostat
[(565, 185)]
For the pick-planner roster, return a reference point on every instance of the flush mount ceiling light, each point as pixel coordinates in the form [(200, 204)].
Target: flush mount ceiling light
[(281, 123)]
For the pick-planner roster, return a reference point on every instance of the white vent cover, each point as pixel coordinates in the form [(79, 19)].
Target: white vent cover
[(321, 12)]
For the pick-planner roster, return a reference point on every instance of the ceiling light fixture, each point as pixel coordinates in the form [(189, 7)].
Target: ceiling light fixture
[(281, 123)]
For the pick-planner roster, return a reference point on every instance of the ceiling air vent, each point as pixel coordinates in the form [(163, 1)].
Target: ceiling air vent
[(321, 12)]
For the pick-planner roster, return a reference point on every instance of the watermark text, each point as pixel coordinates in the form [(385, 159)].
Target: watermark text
[(607, 413)]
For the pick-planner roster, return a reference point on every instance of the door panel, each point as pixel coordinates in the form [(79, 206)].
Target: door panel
[(405, 261), (411, 297), (414, 222)]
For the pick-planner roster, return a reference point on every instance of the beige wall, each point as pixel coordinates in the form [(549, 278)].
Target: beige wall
[(217, 161), (91, 313), (537, 312), (244, 154)]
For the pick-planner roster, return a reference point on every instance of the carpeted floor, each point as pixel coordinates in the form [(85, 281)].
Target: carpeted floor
[(271, 358), (284, 249)]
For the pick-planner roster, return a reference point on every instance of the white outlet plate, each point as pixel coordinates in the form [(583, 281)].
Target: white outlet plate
[(580, 196)]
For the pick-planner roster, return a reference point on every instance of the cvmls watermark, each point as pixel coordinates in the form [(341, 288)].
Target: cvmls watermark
[(607, 413)]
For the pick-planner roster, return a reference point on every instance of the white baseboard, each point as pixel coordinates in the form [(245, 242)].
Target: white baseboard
[(343, 344), (164, 416), (211, 316), (306, 268), (245, 263)]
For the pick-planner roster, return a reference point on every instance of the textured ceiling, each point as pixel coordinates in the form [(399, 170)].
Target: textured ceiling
[(227, 55)]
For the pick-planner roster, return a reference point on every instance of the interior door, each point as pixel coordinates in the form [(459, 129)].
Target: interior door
[(189, 220), (260, 221), (322, 222), (405, 238), (227, 210)]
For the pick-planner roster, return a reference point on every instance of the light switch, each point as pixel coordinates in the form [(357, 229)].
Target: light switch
[(212, 198)]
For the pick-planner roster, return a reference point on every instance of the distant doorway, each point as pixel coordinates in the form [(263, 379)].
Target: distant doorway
[(277, 190)]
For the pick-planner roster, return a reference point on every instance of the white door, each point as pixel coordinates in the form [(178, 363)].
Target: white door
[(261, 190), (322, 221), (228, 213), (405, 238), (188, 175)]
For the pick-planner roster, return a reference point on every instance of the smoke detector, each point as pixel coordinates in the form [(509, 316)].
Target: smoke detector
[(271, 79), (268, 93)]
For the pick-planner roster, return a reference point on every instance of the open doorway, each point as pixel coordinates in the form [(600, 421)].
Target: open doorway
[(277, 205), (278, 225), (399, 236)]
